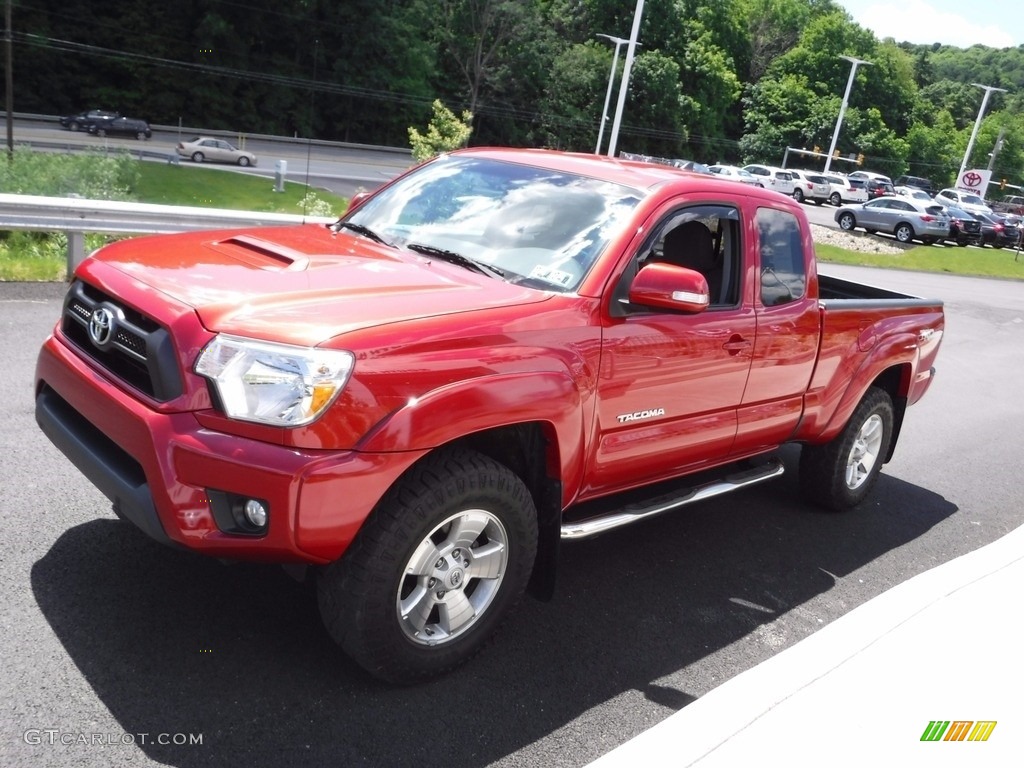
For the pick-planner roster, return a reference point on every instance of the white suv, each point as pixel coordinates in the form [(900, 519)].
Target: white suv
[(770, 177), (965, 201)]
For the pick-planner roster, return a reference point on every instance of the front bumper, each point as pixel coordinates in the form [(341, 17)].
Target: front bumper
[(159, 468)]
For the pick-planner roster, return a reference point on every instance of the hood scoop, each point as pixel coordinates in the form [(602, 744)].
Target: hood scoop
[(264, 254)]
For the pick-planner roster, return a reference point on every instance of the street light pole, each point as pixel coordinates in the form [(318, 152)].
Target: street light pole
[(842, 109), (977, 124), (624, 85), (608, 95)]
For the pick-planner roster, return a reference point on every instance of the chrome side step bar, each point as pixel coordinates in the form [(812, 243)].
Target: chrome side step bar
[(633, 513)]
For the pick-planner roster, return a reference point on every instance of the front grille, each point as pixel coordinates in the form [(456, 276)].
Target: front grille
[(138, 351)]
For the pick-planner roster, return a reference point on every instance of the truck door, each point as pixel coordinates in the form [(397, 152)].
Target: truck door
[(788, 332), (670, 382)]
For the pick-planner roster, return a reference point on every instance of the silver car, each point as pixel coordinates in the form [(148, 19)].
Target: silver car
[(206, 149), (905, 218)]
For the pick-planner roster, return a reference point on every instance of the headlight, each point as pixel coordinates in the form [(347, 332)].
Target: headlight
[(275, 384)]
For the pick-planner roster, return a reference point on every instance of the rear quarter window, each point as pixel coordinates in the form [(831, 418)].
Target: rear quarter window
[(782, 265)]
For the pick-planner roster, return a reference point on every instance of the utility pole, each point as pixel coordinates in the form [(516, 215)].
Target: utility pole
[(9, 79), (624, 85)]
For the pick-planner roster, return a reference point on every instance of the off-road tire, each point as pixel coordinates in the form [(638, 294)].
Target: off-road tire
[(378, 601), (841, 473)]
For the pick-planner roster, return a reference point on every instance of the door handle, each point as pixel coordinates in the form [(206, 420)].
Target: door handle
[(736, 344)]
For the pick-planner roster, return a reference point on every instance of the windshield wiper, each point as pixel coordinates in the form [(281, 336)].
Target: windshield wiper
[(361, 230), (457, 258)]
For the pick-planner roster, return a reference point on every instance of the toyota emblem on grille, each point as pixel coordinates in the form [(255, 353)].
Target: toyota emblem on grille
[(101, 326)]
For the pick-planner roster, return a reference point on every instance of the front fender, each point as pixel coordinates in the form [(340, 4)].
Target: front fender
[(476, 405)]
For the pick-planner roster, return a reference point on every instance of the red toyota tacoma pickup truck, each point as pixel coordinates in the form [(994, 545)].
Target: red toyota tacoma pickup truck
[(416, 404)]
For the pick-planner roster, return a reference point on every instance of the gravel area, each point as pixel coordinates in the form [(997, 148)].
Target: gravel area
[(856, 241)]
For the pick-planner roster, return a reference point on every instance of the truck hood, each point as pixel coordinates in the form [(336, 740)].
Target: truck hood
[(305, 285)]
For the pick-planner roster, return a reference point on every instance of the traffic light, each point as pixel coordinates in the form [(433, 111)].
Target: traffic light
[(860, 159), (835, 155), (817, 149), (1002, 184)]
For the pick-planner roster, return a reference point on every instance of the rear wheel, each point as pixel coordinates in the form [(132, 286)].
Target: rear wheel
[(197, 157), (847, 222), (436, 567), (839, 474), (904, 233)]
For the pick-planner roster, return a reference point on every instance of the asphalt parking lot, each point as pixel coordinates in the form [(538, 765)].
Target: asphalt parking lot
[(113, 645)]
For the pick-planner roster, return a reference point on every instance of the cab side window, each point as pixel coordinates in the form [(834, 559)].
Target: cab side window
[(783, 268)]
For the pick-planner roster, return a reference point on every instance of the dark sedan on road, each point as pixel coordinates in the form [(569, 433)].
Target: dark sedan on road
[(83, 121), (127, 126), (903, 217)]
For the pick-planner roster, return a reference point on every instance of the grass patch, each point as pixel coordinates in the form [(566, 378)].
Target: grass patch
[(980, 262), (189, 184)]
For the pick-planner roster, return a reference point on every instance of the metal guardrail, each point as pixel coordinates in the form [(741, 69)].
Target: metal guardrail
[(76, 216)]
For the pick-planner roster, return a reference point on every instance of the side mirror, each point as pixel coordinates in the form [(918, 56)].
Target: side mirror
[(667, 286), (356, 200)]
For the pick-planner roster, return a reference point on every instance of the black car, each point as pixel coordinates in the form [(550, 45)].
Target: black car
[(917, 181), (996, 232), (964, 229), (122, 125), (83, 121)]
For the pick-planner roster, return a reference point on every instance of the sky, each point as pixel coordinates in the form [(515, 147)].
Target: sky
[(995, 23)]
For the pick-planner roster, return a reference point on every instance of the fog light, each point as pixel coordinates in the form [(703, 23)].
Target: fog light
[(255, 513)]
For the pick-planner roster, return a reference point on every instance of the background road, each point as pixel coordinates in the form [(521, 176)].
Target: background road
[(104, 632), (341, 168)]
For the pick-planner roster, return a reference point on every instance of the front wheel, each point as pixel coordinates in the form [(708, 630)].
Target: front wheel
[(847, 222), (835, 199), (243, 161), (904, 233), (443, 557), (839, 474), (798, 195)]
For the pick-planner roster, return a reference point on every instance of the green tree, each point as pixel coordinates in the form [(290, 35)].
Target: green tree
[(445, 132)]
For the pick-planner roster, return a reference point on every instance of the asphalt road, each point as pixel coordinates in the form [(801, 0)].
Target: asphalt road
[(340, 168), (107, 636)]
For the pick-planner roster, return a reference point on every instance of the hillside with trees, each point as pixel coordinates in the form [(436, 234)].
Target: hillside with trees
[(713, 80)]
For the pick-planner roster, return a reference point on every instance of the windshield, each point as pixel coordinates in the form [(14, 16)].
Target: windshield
[(971, 199), (534, 226)]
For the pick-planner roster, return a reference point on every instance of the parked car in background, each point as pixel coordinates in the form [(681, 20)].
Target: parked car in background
[(205, 148), (691, 165), (879, 187), (902, 217), (964, 229), (128, 126), (1013, 204), (811, 186), (734, 173), (918, 182), (846, 190), (84, 120), (912, 192), (869, 175), (770, 177), (968, 201), (996, 232)]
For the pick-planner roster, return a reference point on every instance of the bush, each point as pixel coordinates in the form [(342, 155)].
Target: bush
[(96, 175)]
